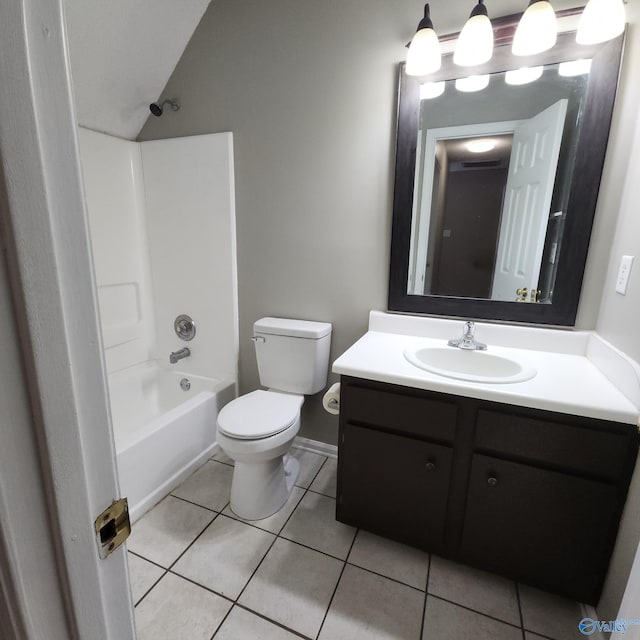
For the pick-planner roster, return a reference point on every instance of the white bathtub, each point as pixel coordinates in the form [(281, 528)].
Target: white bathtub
[(162, 433)]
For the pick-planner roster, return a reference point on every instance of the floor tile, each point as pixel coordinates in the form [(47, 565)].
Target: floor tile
[(244, 625), (367, 606), (485, 592), (163, 533), (221, 456), (446, 621), (325, 481), (293, 586), (314, 524), (549, 615), (533, 636), (142, 576), (209, 486), (391, 559), (310, 463), (179, 610), (275, 522), (225, 556)]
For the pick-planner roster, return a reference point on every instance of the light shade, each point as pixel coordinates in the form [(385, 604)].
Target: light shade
[(475, 42), (431, 90), (600, 21), (537, 30), (574, 68), (472, 83), (481, 145), (524, 75), (424, 54)]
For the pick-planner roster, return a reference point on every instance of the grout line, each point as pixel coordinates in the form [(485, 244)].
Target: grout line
[(426, 590), (486, 615), (520, 611), (274, 622), (195, 504), (335, 589), (222, 622)]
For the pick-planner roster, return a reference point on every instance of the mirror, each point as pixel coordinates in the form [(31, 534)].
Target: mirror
[(496, 188)]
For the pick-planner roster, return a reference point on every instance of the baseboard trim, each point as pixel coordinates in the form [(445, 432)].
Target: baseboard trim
[(315, 446)]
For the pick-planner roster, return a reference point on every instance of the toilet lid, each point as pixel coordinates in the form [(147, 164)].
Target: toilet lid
[(259, 414)]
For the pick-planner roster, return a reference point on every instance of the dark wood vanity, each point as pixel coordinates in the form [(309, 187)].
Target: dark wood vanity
[(533, 495)]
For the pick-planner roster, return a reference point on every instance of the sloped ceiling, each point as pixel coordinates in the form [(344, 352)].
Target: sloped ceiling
[(122, 54)]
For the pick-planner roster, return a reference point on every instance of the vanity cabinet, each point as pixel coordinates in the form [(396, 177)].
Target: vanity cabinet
[(530, 494)]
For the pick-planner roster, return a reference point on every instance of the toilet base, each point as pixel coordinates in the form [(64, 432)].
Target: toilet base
[(260, 489)]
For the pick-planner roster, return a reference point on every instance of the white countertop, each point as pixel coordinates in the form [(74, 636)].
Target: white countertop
[(566, 382)]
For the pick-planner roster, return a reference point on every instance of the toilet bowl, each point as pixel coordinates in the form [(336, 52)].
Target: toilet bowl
[(257, 430)]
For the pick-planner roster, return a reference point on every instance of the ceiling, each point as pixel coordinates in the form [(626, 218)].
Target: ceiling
[(122, 54)]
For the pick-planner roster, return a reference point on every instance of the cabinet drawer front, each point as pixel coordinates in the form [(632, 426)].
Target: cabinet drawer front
[(542, 527), (573, 448), (422, 417), (393, 485)]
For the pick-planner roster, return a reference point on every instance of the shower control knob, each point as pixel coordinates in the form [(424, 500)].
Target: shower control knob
[(184, 327), (492, 482), (430, 466)]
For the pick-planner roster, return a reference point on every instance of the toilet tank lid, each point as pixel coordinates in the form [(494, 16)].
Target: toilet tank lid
[(293, 328)]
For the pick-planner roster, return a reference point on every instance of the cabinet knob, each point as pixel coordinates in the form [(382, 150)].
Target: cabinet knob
[(492, 482), (430, 465)]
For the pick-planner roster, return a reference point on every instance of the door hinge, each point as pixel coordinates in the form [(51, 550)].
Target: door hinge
[(112, 527)]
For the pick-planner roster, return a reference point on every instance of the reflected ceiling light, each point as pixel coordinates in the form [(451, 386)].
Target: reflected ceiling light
[(523, 75), (431, 90), (481, 145), (537, 30), (472, 83), (475, 42), (424, 54), (600, 21), (574, 68)]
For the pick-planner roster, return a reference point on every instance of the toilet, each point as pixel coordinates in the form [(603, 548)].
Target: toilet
[(257, 430)]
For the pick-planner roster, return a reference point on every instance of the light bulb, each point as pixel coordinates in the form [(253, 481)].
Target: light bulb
[(574, 68), (475, 42), (431, 90), (424, 54), (537, 30), (523, 75), (600, 21), (472, 83)]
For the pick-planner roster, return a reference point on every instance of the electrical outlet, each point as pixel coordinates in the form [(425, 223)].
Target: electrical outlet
[(623, 274)]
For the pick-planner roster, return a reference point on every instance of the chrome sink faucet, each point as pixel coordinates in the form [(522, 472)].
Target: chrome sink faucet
[(468, 341), (178, 355)]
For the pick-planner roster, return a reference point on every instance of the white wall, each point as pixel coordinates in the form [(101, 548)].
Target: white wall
[(112, 172), (191, 227)]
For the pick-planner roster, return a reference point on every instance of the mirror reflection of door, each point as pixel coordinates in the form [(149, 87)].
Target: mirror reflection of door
[(532, 171)]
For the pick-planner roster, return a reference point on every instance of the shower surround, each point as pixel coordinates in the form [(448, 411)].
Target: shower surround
[(162, 224)]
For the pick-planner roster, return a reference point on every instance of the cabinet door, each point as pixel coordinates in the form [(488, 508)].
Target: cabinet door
[(393, 485), (544, 528)]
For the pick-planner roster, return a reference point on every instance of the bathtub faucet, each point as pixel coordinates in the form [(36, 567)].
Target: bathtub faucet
[(178, 355)]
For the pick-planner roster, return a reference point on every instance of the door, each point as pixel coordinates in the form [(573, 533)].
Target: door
[(542, 527), (527, 201), (45, 240)]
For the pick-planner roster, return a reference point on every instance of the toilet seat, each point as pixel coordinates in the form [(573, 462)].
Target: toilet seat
[(259, 414)]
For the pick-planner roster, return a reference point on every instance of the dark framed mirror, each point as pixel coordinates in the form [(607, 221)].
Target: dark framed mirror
[(501, 231)]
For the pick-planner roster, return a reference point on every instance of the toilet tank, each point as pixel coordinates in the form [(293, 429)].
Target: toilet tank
[(293, 355)]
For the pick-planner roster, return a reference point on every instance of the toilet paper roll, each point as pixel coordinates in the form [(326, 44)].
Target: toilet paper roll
[(331, 399)]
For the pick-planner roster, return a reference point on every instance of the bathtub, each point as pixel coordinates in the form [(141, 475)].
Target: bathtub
[(162, 432)]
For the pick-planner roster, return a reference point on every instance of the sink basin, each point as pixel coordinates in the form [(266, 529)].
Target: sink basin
[(474, 366)]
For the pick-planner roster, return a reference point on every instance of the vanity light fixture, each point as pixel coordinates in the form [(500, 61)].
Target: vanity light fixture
[(524, 75), (537, 30), (424, 54), (475, 42), (600, 21), (481, 145), (472, 83), (574, 68), (431, 90)]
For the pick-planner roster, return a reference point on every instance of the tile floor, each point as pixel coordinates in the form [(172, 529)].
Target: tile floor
[(198, 572)]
